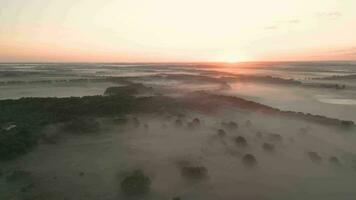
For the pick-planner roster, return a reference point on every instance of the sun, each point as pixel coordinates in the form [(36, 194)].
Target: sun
[(231, 58)]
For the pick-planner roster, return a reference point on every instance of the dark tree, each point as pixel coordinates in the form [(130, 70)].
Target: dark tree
[(136, 183)]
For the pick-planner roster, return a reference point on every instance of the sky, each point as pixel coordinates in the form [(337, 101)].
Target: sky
[(176, 30)]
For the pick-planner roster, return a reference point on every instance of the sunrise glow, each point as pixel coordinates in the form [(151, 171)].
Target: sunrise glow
[(176, 31), (177, 99), (231, 57)]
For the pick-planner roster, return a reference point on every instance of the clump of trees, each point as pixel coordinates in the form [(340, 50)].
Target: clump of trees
[(30, 115), (136, 183), (194, 172), (275, 137), (268, 147), (16, 142), (315, 157), (249, 160), (178, 123), (230, 125), (334, 160), (128, 90), (248, 123), (194, 124), (241, 141), (221, 133)]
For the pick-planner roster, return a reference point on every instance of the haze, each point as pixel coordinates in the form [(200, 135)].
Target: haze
[(177, 99), (176, 31)]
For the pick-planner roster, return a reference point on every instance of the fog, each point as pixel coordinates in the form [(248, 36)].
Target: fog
[(191, 152), (162, 148), (332, 103)]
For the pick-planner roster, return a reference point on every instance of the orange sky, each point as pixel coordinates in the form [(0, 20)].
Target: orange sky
[(176, 30)]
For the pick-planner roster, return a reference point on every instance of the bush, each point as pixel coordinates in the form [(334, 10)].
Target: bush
[(334, 160), (315, 157), (249, 160), (241, 141), (136, 183), (16, 142), (268, 147), (193, 172), (178, 123), (275, 137), (221, 133), (230, 125)]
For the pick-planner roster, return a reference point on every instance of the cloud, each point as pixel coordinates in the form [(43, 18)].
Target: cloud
[(347, 51), (292, 21), (329, 15), (282, 24), (271, 27)]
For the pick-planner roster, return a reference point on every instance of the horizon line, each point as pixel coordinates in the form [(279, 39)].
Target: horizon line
[(170, 62)]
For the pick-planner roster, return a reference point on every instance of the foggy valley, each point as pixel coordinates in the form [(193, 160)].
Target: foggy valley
[(249, 131)]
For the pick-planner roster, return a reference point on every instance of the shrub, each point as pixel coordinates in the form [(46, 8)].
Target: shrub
[(136, 183), (16, 142), (194, 172), (315, 157), (268, 147), (249, 160), (221, 133), (178, 123), (275, 137), (334, 160), (241, 141), (230, 125)]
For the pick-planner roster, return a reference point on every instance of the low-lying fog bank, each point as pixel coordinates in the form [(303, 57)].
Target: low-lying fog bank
[(189, 156), (135, 143), (331, 96), (177, 133)]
